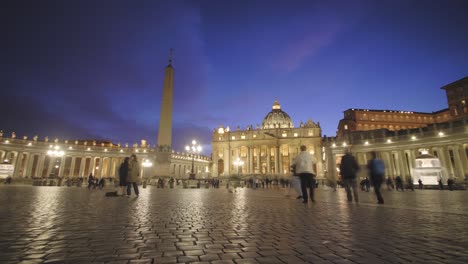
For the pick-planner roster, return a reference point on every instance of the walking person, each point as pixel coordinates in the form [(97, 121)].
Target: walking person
[(376, 170), (296, 182), (90, 181), (305, 170), (399, 184), (133, 174), (421, 186), (441, 184), (349, 168), (450, 183), (123, 174)]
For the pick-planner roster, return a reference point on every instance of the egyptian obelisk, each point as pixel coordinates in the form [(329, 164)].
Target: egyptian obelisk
[(164, 148), (165, 116)]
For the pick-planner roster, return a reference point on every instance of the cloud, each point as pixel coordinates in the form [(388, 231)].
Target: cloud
[(97, 69), (305, 46)]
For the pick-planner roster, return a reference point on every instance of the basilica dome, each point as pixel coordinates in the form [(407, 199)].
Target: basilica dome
[(277, 118)]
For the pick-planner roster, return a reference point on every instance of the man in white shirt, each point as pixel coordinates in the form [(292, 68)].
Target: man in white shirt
[(305, 170)]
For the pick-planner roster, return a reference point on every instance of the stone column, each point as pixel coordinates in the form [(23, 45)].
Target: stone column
[(445, 155), (72, 168), (30, 165), (389, 165), (93, 166), (51, 165), (404, 164), (268, 159), (251, 169), (258, 160), (227, 162), (331, 167), (40, 165), (276, 160), (82, 167), (17, 163), (459, 173), (101, 166), (280, 159), (464, 159), (62, 166)]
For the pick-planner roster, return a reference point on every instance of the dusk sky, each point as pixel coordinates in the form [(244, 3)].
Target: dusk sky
[(95, 69)]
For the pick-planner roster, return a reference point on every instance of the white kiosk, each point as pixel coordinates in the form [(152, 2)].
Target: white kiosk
[(429, 170)]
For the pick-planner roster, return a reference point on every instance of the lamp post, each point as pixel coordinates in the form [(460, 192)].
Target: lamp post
[(239, 163), (193, 149), (146, 164)]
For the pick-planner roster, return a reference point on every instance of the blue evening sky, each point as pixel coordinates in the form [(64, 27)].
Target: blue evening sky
[(94, 69)]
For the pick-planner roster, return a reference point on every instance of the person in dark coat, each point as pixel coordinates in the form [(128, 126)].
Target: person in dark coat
[(90, 181), (376, 170), (348, 169), (123, 174), (133, 175)]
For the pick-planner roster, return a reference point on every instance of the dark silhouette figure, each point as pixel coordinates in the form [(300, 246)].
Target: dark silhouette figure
[(348, 168), (389, 183), (376, 170), (123, 174), (90, 181), (441, 185), (421, 186), (410, 184), (399, 184), (450, 184)]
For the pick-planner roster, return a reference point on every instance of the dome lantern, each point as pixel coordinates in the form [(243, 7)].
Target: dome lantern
[(277, 118)]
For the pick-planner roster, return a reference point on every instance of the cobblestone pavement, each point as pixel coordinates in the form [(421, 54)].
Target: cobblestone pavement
[(76, 225)]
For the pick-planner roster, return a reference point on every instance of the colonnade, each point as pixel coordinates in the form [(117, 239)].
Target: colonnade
[(268, 159), (36, 163), (400, 161)]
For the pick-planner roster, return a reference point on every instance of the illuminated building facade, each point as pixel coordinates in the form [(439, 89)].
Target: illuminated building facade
[(400, 137), (266, 150)]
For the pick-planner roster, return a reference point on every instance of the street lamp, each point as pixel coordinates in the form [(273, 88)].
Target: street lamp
[(56, 153), (239, 163), (193, 149), (146, 164)]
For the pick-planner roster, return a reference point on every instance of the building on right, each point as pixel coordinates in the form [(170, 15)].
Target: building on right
[(402, 137)]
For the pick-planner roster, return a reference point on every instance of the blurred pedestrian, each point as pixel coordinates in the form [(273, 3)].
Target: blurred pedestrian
[(421, 186), (410, 184), (450, 184), (123, 174), (296, 182), (305, 170), (399, 184), (389, 183), (90, 181), (376, 170), (133, 174), (349, 168), (441, 185)]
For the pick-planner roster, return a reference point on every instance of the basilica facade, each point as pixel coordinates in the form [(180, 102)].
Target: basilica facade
[(267, 150)]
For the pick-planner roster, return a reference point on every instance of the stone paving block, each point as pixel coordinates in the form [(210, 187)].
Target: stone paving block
[(187, 259), (246, 261), (268, 227)]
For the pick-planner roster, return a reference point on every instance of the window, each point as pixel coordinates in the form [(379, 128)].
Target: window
[(346, 127), (295, 134), (233, 137), (243, 137)]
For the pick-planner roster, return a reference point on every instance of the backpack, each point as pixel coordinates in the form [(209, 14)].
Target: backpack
[(378, 167)]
